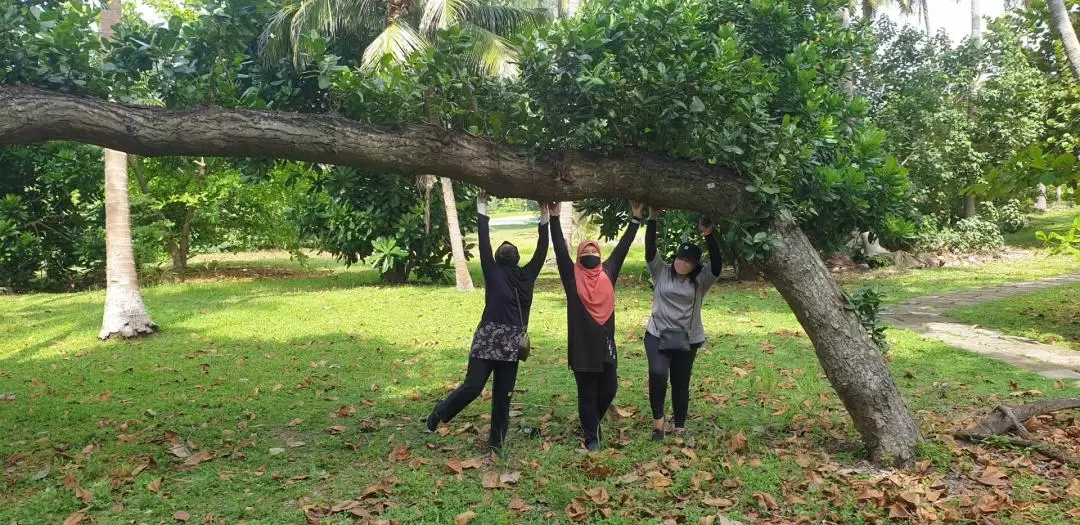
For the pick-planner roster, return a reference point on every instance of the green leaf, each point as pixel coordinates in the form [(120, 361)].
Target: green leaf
[(696, 105)]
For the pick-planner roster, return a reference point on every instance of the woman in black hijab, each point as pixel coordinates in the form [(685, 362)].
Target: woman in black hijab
[(508, 294)]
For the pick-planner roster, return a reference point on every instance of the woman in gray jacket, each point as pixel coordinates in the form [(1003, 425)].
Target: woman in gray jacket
[(674, 332)]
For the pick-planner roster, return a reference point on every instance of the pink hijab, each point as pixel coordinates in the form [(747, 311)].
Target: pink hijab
[(594, 287)]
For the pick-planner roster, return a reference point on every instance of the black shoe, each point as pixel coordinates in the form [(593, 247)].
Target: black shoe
[(433, 420), (657, 435), (592, 446)]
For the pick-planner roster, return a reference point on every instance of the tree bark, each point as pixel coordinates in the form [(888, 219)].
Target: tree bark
[(1059, 15), (566, 210), (852, 363), (976, 22), (926, 17), (457, 245), (125, 313), (850, 360)]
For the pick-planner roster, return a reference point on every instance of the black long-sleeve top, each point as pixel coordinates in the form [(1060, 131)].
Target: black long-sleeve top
[(589, 344), (505, 301)]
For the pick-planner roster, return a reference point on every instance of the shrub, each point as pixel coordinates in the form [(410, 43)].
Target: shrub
[(1009, 217), (866, 303), (973, 235)]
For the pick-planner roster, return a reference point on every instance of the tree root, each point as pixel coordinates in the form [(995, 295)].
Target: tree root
[(1004, 419)]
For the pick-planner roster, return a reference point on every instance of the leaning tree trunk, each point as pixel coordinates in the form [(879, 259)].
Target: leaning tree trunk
[(849, 358), (457, 244), (1059, 14), (926, 18), (852, 363), (125, 313)]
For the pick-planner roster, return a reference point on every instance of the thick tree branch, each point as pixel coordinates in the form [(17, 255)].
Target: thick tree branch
[(33, 115)]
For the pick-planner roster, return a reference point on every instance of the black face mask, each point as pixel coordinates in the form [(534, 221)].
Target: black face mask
[(507, 255), (589, 261)]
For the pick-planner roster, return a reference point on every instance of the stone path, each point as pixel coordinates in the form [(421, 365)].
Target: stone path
[(926, 315)]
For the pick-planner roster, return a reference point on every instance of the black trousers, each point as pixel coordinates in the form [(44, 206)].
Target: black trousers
[(475, 378), (676, 365), (596, 391)]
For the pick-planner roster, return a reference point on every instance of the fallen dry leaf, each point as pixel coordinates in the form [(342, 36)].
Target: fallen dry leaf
[(155, 486), (295, 421), (627, 479), (490, 480), (575, 510), (912, 497), (401, 454), (181, 516), (519, 506), (993, 476), (767, 500), (455, 466), (180, 450), (510, 478), (472, 463), (1073, 490), (75, 518), (83, 494), (200, 458), (336, 429), (739, 371), (689, 452), (738, 442), (717, 502), (464, 518), (599, 495), (344, 411), (897, 511)]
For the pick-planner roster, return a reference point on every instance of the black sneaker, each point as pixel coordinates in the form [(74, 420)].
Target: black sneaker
[(657, 435), (592, 446), (433, 420)]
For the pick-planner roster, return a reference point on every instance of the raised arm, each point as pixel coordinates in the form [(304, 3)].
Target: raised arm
[(487, 258), (614, 262), (540, 255), (652, 258), (716, 260), (562, 255)]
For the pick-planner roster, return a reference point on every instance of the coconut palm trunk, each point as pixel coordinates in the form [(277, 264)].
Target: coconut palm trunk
[(970, 207), (1059, 14), (125, 313), (457, 244)]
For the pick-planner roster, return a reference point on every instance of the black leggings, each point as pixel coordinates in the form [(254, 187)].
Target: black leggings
[(680, 365), (475, 379), (595, 391)]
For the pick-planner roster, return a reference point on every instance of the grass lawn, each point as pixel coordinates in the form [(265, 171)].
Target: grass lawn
[(265, 397), (1050, 316), (1056, 220)]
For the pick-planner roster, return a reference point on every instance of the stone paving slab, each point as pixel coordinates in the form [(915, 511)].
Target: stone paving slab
[(926, 315)]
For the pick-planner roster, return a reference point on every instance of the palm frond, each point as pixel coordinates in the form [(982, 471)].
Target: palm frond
[(490, 53), (399, 40), (441, 14), (503, 20), (290, 27)]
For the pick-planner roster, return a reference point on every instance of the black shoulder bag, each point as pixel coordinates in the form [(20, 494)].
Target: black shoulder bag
[(676, 340), (525, 344)]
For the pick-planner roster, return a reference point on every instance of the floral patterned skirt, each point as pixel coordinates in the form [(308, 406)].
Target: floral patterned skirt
[(496, 341)]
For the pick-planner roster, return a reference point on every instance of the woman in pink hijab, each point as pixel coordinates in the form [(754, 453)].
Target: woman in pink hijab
[(590, 314)]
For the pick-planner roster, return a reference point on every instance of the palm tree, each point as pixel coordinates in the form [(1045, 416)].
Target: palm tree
[(400, 27), (1059, 14), (970, 209), (457, 244), (870, 9), (125, 312)]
